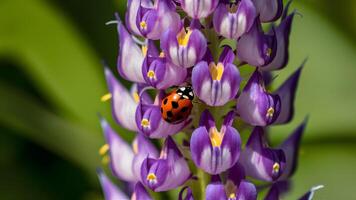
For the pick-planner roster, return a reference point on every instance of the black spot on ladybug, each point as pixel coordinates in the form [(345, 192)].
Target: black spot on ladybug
[(184, 109), (168, 120), (161, 110), (169, 114), (179, 117), (165, 101), (175, 104)]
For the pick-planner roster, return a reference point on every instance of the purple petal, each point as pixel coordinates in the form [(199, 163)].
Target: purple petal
[(282, 39), (188, 195), (287, 94), (255, 47), (262, 162), (154, 172), (123, 104), (215, 191), (310, 194), (121, 154), (268, 10), (255, 106), (227, 56), (199, 8), (130, 57), (236, 174), (234, 24), (229, 118), (111, 192), (179, 171), (291, 149), (143, 149), (140, 193), (246, 191)]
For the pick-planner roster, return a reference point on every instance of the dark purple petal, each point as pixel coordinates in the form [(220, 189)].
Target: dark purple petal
[(255, 106), (291, 150), (130, 57), (229, 118), (310, 194), (236, 174), (255, 47), (123, 103), (188, 195), (260, 161), (227, 56), (111, 192), (282, 39), (140, 193), (268, 10), (154, 172), (121, 154), (232, 24), (215, 191), (287, 93), (230, 148), (199, 8)]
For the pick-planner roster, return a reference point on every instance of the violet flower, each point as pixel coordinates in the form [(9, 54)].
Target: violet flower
[(212, 150), (199, 8), (255, 105), (216, 84), (184, 48), (231, 21), (167, 172)]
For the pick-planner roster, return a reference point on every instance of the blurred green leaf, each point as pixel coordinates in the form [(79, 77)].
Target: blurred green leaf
[(327, 86), (60, 63), (331, 165), (21, 112)]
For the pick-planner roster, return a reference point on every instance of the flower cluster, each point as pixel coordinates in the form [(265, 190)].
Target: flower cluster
[(226, 52)]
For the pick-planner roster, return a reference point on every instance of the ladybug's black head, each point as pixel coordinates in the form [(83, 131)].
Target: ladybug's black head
[(186, 92)]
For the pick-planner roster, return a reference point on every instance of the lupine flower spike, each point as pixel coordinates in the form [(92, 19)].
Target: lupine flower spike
[(191, 98)]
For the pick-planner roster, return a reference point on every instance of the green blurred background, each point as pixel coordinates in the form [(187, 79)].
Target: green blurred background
[(51, 81)]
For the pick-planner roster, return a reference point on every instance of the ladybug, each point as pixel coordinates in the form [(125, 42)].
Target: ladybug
[(176, 106)]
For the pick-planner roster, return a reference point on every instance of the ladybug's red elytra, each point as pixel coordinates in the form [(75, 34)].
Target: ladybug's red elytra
[(176, 106)]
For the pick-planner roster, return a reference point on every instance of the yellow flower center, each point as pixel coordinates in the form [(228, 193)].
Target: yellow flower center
[(276, 167), (151, 177), (145, 123), (183, 37), (232, 196), (151, 74), (215, 137), (143, 25), (216, 71), (144, 50), (161, 55), (106, 97), (136, 97), (270, 112), (269, 52)]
